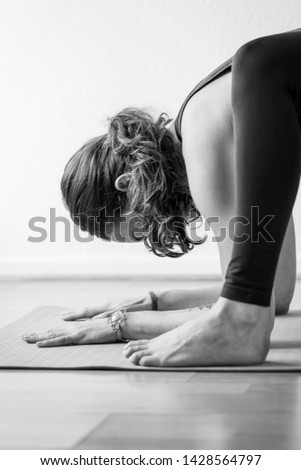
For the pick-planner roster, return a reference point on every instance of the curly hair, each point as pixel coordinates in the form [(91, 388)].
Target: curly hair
[(142, 148)]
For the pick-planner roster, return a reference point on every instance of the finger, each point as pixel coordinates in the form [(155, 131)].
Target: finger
[(60, 341), (34, 337), (87, 312), (26, 337)]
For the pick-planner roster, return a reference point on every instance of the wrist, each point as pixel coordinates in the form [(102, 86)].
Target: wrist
[(147, 303), (154, 300), (136, 326), (111, 335), (139, 304), (167, 300), (115, 321)]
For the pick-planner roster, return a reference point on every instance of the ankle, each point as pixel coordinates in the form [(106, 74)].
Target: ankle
[(252, 324)]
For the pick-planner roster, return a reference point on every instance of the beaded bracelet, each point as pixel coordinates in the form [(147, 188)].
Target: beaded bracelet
[(154, 300)]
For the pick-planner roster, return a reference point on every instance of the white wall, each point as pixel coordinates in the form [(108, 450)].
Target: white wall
[(65, 64)]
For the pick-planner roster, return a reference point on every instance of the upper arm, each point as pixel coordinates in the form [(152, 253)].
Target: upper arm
[(211, 182), (210, 178)]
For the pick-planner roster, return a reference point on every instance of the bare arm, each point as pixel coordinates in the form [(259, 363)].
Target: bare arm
[(171, 300), (188, 298), (209, 160), (147, 325)]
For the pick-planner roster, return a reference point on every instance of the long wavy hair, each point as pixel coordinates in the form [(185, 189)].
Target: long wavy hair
[(142, 148)]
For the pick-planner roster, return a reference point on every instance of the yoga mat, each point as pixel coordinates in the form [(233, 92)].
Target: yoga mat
[(284, 355)]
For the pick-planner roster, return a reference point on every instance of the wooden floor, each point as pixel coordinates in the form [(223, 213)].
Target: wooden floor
[(139, 410)]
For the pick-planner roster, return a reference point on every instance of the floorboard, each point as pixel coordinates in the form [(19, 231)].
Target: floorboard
[(139, 410)]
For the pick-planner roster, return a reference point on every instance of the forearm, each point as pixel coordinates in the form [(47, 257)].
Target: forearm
[(146, 324), (188, 298)]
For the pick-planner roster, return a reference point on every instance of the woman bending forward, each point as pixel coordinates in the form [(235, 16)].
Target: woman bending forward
[(232, 154)]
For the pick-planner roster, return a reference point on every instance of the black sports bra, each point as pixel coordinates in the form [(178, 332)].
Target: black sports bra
[(218, 72)]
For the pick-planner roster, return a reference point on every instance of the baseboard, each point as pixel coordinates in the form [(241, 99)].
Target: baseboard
[(106, 267)]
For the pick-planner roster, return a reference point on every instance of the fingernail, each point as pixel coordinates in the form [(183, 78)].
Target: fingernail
[(39, 343), (25, 337), (66, 313)]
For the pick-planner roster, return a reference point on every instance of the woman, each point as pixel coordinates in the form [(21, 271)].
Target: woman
[(239, 137)]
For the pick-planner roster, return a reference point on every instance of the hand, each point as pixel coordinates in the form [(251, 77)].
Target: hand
[(105, 310), (76, 333)]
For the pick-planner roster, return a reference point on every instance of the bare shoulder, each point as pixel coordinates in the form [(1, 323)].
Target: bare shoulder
[(207, 136), (208, 110)]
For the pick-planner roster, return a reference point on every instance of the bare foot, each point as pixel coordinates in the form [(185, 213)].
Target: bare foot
[(231, 333)]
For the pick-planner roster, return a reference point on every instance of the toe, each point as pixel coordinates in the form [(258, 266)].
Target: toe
[(136, 357), (140, 342), (149, 361), (127, 352)]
